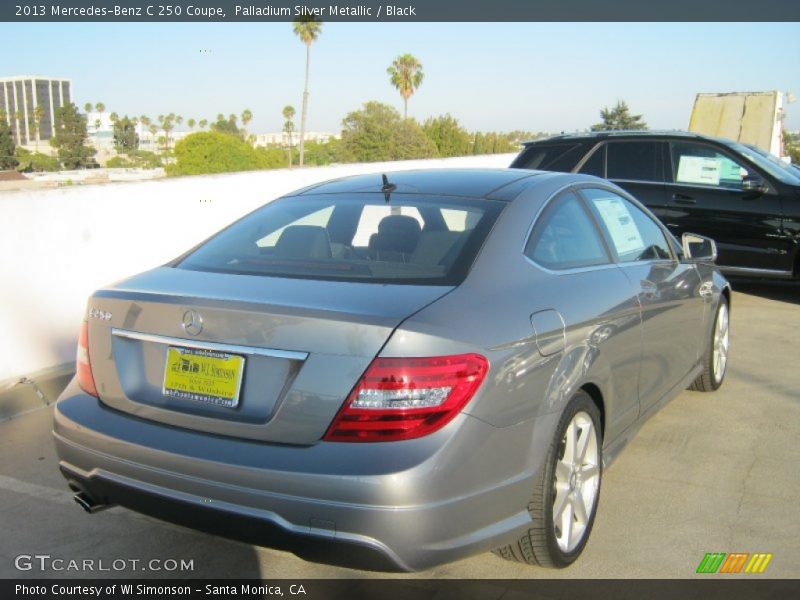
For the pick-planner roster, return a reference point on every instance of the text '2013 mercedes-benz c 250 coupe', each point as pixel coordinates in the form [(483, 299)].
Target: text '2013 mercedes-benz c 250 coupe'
[(393, 372)]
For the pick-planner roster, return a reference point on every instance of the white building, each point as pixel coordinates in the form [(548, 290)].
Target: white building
[(19, 98), (281, 138)]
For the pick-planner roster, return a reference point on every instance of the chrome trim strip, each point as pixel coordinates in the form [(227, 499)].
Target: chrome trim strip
[(214, 346), (755, 271)]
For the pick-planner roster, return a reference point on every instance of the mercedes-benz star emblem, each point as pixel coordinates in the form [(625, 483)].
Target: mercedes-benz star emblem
[(192, 322)]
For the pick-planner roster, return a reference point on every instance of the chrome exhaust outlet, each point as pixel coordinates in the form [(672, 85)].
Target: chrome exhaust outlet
[(87, 503)]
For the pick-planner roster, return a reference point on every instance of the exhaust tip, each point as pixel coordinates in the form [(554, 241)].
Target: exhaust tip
[(87, 503)]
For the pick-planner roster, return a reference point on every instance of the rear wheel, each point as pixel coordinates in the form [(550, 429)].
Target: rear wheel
[(715, 361), (566, 492)]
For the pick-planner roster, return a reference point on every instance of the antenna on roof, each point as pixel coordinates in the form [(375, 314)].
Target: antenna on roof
[(387, 188)]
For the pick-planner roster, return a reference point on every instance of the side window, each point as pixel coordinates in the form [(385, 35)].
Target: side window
[(552, 157), (698, 164), (634, 235), (596, 163), (564, 236), (635, 161)]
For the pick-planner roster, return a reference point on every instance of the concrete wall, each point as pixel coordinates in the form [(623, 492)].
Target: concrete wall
[(58, 245)]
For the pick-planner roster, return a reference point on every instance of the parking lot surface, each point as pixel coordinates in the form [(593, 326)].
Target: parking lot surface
[(709, 473)]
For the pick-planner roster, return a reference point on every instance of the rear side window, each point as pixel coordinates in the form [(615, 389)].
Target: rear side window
[(412, 239), (632, 233), (551, 157), (564, 236), (635, 161), (596, 163)]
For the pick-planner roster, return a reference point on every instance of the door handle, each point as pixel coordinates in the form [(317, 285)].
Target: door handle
[(683, 198)]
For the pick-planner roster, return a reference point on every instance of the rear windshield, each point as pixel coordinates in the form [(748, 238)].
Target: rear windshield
[(412, 239), (550, 157)]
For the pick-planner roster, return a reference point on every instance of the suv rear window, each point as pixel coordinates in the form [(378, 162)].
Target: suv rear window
[(411, 239), (551, 157)]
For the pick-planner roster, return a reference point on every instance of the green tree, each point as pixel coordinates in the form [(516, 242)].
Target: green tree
[(203, 123), (125, 137), (308, 30), (619, 117), (70, 137), (190, 123), (228, 126), (36, 162), (377, 132), (450, 138), (88, 107), (100, 107), (288, 113), (8, 158), (247, 116), (213, 152), (406, 75)]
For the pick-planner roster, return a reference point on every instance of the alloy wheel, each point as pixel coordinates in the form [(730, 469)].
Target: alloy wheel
[(576, 481), (721, 342)]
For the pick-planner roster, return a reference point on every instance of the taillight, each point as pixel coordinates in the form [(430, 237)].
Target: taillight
[(404, 398), (83, 366)]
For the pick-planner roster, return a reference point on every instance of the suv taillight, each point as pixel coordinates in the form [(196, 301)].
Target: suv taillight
[(82, 365), (404, 398)]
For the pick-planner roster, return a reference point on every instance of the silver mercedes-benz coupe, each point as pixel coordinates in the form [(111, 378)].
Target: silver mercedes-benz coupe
[(392, 372)]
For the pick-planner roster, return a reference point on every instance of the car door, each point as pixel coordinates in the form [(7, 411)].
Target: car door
[(706, 196), (591, 306), (668, 290), (637, 166)]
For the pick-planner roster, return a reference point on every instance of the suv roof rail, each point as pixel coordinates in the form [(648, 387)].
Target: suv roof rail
[(616, 133)]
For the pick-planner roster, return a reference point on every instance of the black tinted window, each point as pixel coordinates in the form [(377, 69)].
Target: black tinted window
[(564, 237), (596, 163), (354, 237), (633, 234), (637, 161), (551, 157)]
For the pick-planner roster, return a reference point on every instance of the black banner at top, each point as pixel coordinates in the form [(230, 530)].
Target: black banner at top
[(397, 11)]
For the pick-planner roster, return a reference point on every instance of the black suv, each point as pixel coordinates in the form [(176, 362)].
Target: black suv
[(748, 203)]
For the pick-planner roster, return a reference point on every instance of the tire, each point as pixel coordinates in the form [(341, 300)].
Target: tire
[(715, 360), (546, 543)]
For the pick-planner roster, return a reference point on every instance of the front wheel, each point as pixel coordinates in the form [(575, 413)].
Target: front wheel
[(715, 360), (565, 495)]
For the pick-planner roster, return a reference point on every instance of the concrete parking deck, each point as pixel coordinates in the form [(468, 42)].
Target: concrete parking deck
[(709, 473)]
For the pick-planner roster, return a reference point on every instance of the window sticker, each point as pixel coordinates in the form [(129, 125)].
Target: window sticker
[(699, 169), (620, 224)]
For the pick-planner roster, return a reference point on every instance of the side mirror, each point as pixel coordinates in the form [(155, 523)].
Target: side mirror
[(697, 248), (754, 186)]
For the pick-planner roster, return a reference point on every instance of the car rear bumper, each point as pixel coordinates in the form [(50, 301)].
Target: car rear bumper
[(384, 506)]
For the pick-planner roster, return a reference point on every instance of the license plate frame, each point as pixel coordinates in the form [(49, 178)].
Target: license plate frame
[(206, 376)]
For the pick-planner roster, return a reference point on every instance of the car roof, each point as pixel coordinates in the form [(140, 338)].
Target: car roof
[(628, 134), (474, 183)]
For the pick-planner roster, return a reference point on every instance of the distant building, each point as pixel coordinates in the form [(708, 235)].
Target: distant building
[(282, 138), (19, 97)]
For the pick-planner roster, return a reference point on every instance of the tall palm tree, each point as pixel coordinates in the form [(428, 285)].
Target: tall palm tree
[(100, 107), (88, 107), (288, 126), (247, 116), (308, 30), (406, 75), (38, 113), (203, 123), (190, 123)]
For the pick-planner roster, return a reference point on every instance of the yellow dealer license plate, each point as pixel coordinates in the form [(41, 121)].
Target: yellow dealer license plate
[(204, 376)]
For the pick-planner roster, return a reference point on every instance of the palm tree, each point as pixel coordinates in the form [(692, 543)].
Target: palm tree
[(308, 30), (38, 113), (288, 127), (190, 123), (88, 107), (247, 116), (203, 123), (100, 107), (406, 75)]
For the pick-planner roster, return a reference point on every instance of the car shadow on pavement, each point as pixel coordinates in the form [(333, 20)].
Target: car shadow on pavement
[(782, 291)]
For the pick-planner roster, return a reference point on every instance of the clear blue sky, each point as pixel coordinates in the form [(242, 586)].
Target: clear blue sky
[(491, 76)]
